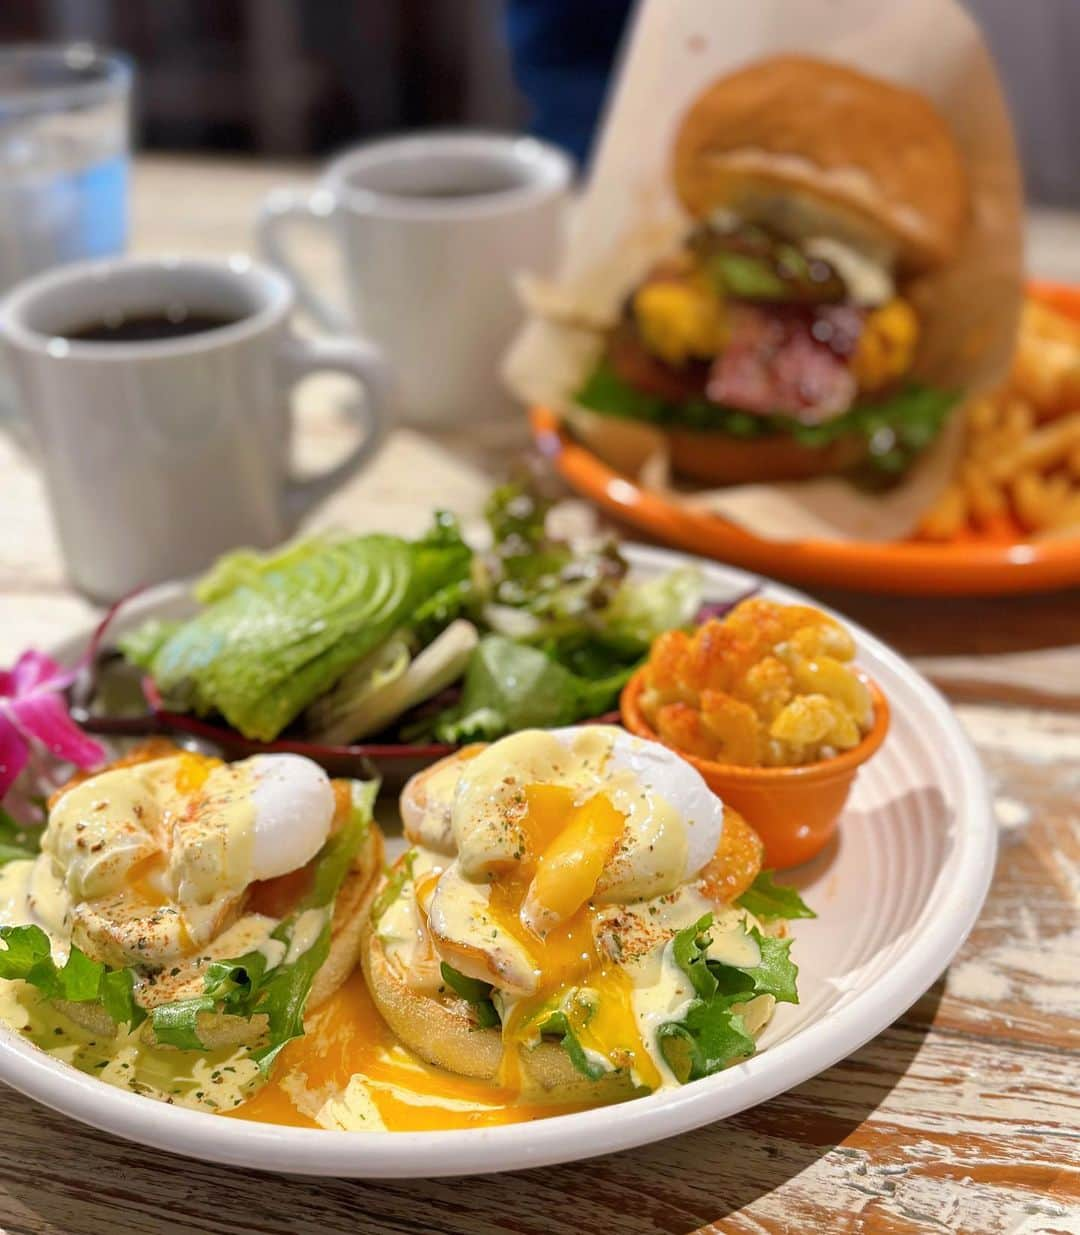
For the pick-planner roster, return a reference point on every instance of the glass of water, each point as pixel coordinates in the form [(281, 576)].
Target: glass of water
[(64, 155)]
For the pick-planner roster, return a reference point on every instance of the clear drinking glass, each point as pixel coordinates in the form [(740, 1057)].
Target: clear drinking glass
[(64, 156)]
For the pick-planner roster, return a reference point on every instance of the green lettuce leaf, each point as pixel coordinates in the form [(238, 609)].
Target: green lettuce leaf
[(747, 277), (141, 645), (245, 567), (712, 1034), (27, 956), (16, 841), (773, 902), (280, 631), (337, 855), (396, 879), (511, 686), (641, 611), (477, 994), (898, 427), (434, 614)]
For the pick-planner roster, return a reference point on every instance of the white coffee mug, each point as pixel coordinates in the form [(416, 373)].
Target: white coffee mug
[(161, 453), (431, 230)]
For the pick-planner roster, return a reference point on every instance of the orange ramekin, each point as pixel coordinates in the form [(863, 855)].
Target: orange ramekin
[(794, 810)]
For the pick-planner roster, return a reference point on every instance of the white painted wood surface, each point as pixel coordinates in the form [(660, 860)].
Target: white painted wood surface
[(963, 1117)]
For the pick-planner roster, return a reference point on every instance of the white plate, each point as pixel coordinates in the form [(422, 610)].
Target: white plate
[(896, 897)]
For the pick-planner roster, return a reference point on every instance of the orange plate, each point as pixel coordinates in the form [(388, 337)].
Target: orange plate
[(970, 567)]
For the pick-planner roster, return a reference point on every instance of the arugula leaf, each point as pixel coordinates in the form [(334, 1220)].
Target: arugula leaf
[(16, 841), (557, 1024), (706, 1040), (28, 956), (772, 902), (690, 951), (474, 992), (117, 995), (712, 1033), (777, 973), (897, 428), (176, 1023), (26, 948)]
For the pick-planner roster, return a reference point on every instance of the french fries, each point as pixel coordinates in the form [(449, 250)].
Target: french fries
[(1019, 473)]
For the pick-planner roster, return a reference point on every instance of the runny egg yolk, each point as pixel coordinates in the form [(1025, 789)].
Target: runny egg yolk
[(148, 879), (192, 772), (572, 844), (543, 903), (346, 1037)]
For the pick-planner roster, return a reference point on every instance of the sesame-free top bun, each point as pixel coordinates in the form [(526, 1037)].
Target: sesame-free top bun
[(441, 1031), (819, 148)]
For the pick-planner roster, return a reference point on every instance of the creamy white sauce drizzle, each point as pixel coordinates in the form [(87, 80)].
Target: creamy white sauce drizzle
[(203, 1080), (868, 282), (32, 895), (306, 931)]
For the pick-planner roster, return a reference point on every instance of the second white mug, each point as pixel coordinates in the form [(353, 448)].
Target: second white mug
[(431, 230)]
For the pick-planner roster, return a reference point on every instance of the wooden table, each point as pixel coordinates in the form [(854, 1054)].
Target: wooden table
[(962, 1117)]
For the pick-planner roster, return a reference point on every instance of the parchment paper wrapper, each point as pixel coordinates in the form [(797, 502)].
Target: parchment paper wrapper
[(629, 217)]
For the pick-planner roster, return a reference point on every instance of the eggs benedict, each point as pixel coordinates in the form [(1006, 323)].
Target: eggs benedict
[(567, 923), (195, 903)]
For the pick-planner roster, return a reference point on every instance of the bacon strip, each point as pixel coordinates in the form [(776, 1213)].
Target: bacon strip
[(788, 360)]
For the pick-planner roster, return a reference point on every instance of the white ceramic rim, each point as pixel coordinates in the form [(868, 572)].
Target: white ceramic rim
[(548, 172), (272, 290), (388, 1155)]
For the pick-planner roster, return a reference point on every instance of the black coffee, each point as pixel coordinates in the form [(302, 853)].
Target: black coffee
[(148, 327), (479, 189)]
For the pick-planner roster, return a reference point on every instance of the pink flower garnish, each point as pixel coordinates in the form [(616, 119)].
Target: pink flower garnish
[(33, 709)]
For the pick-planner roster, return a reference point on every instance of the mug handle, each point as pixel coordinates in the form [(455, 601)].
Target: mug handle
[(363, 362), (279, 211)]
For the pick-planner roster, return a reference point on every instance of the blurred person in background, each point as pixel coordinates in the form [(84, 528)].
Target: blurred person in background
[(292, 79), (563, 54)]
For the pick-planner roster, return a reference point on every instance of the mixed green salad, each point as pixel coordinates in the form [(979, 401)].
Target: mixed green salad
[(342, 639)]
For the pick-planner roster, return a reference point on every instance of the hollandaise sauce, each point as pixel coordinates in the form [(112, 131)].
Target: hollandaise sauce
[(203, 1080), (350, 1073)]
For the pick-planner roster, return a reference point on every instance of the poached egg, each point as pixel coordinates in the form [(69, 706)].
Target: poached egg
[(146, 862), (557, 866)]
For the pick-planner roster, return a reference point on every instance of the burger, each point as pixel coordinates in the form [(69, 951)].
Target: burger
[(781, 341)]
